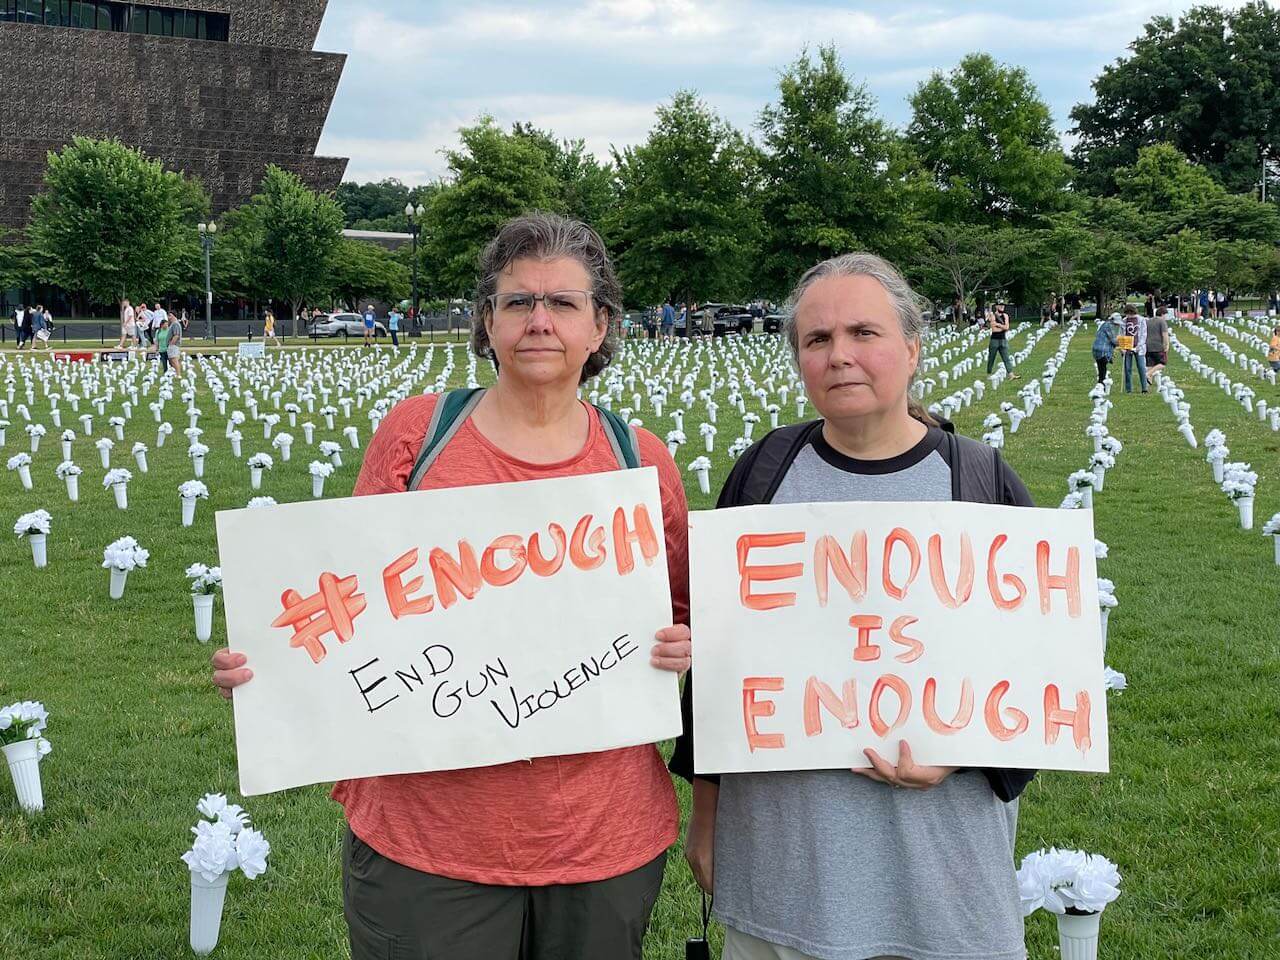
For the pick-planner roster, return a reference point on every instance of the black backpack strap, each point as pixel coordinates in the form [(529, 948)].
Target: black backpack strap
[(622, 439), (760, 472), (975, 471), (450, 414)]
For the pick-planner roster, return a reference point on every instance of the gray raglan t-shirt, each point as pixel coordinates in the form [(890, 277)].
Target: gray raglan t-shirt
[(840, 867)]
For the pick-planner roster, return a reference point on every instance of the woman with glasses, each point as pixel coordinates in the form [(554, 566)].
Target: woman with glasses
[(557, 857)]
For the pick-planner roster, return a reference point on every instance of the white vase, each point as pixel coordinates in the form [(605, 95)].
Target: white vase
[(1078, 936), (799, 410), (160, 435), (773, 419), (710, 442), (24, 767), (56, 415), (1245, 505), (328, 421), (1276, 541), (1097, 444), (255, 478), (121, 490), (747, 427), (1104, 618), (35, 443), (235, 447), (141, 458), (73, 488), (335, 458), (24, 475), (266, 430), (66, 449), (198, 464), (1087, 494), (284, 452), (118, 578), (704, 484), (188, 511), (1099, 477), (119, 433), (206, 911), (353, 440), (1217, 471), (203, 603), (39, 549), (1187, 434), (308, 433), (317, 486), (104, 454)]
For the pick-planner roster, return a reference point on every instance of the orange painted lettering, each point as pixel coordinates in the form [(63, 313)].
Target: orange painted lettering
[(915, 649), (580, 541), (489, 569), (398, 591), (1018, 720), (641, 534), (898, 535), (766, 572), (540, 566), (453, 575), (963, 714), (851, 571), (1068, 582), (844, 707), (938, 576), (866, 651), (753, 708), (1010, 580), (899, 686), (1055, 718)]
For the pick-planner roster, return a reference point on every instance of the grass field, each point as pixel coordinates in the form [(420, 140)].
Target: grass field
[(1190, 812)]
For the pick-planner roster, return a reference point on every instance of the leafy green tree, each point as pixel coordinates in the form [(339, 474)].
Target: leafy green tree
[(1240, 265), (827, 186), (686, 223), (1182, 261), (586, 184), (959, 260), (112, 223), (987, 138), (379, 205), (1209, 84), (1162, 180), (1116, 257), (366, 271), (284, 239), (493, 176), (1064, 243)]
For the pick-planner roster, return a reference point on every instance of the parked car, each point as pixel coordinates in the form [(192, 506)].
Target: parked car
[(718, 319), (352, 324), (772, 323)]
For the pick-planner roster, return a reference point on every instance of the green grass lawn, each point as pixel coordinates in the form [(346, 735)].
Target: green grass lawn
[(1190, 812)]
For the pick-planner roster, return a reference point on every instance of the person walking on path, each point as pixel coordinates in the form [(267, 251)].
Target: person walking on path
[(1104, 345), (393, 326), (269, 327), (1157, 352), (999, 344), (368, 325), (26, 326), (128, 326), (1273, 350), (1135, 353)]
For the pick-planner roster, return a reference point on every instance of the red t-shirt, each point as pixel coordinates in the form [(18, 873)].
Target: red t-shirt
[(567, 819)]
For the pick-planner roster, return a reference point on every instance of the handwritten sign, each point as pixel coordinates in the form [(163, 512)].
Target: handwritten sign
[(969, 631), (447, 629)]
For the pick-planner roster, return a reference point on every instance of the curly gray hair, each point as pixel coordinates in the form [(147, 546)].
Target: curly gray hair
[(548, 236)]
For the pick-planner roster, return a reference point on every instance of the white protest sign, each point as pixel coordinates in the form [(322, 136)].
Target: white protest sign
[(447, 629), (969, 631)]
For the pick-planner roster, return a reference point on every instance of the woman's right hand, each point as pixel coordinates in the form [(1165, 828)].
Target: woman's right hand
[(699, 850), (229, 671)]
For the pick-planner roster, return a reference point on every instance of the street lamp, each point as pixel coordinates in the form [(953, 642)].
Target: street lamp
[(415, 215), (207, 231)]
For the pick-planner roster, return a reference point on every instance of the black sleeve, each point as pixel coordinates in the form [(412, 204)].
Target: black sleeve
[(1007, 782)]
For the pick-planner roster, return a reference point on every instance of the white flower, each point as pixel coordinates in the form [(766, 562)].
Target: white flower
[(282, 440), (320, 469), (124, 554), (116, 422), (205, 580), (1096, 883), (165, 428), (1113, 679), (193, 433), (1072, 501), (1237, 489), (67, 468), (1081, 479), (35, 430), (37, 521), (700, 463), (329, 447), (1216, 453), (24, 720), (68, 435), (1099, 550), (751, 418), (191, 489), (1272, 527), (118, 475), (214, 851), (675, 436), (252, 849), (1096, 430), (1103, 459), (707, 429), (262, 460), (1241, 473), (19, 460), (197, 450), (258, 502), (1215, 438), (211, 804), (106, 443), (991, 421)]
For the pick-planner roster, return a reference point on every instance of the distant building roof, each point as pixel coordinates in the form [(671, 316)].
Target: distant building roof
[(382, 238)]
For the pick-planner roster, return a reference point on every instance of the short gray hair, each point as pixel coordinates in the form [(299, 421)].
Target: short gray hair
[(548, 236), (907, 304)]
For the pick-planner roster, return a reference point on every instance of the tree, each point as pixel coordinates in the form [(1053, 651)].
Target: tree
[(987, 138), (1065, 243), (686, 223), (1208, 84), (112, 223), (286, 236), (1162, 180), (1116, 257), (959, 259), (380, 205), (366, 271), (826, 183), (1182, 261), (494, 176), (585, 184), (1240, 265)]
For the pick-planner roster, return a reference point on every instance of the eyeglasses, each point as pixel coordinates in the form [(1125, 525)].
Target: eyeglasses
[(559, 303)]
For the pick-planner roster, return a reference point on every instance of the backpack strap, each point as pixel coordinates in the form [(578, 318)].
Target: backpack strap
[(450, 414), (453, 409), (761, 469), (622, 439), (975, 470)]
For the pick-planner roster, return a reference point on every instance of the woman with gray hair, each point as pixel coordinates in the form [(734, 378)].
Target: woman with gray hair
[(556, 857), (893, 858)]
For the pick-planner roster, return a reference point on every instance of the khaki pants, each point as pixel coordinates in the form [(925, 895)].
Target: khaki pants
[(743, 946), (397, 913)]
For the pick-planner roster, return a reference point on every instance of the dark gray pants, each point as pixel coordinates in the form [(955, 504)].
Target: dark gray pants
[(397, 913)]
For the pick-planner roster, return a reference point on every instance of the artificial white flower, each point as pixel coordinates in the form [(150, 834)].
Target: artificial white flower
[(258, 502), (67, 468), (124, 554), (252, 850), (262, 461), (191, 489), (37, 521), (118, 475), (1113, 679), (320, 469), (214, 851), (19, 460)]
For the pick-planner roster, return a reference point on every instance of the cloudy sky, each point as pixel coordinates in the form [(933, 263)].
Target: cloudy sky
[(419, 69)]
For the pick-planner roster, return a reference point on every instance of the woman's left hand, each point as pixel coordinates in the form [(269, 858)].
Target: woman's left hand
[(907, 773), (674, 649)]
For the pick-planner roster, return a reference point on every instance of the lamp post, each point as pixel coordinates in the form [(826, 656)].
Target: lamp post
[(207, 231), (415, 227)]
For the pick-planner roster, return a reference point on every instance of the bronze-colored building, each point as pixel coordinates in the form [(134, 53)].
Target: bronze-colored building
[(215, 88)]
